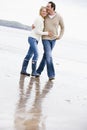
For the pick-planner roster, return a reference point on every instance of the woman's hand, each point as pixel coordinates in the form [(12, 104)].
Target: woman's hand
[(50, 34), (33, 26)]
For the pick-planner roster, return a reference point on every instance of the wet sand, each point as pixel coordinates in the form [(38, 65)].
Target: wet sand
[(28, 103)]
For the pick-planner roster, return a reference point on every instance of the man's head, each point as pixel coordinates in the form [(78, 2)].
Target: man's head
[(51, 7)]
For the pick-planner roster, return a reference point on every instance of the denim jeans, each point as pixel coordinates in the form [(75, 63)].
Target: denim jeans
[(48, 45), (33, 49)]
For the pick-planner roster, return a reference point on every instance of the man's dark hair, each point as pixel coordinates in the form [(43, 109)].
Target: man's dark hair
[(52, 5)]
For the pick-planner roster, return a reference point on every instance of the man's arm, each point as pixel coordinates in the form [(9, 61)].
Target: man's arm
[(61, 24)]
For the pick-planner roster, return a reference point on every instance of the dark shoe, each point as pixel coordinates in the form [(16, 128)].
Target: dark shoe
[(25, 73), (37, 75), (52, 78)]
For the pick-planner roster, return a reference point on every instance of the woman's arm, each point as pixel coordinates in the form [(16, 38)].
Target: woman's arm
[(39, 25)]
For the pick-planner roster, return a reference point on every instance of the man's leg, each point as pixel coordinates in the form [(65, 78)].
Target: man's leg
[(48, 46), (42, 64)]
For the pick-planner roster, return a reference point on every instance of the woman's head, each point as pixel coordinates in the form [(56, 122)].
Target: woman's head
[(43, 11)]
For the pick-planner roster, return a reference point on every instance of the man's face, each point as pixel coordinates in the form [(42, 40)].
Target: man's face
[(49, 9)]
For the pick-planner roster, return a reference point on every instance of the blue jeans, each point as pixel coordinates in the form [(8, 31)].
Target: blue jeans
[(47, 58), (33, 49)]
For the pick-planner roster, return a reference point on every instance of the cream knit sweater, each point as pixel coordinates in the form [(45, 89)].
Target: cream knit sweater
[(37, 32)]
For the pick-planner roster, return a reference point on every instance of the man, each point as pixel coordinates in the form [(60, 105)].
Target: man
[(52, 22)]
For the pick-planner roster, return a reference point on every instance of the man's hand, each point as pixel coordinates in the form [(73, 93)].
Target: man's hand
[(57, 37)]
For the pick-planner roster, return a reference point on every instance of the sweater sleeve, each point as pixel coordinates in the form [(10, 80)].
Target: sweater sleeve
[(61, 23), (39, 25)]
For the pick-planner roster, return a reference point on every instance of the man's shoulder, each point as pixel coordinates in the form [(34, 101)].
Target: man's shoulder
[(58, 15)]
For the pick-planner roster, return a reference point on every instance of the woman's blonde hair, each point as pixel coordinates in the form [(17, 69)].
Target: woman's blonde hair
[(42, 7)]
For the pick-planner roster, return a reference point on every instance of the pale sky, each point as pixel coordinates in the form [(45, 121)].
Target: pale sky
[(74, 13)]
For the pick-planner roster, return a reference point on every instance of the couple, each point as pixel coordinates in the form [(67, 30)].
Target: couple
[(49, 21)]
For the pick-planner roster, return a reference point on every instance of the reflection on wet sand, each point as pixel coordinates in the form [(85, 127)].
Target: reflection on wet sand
[(31, 117)]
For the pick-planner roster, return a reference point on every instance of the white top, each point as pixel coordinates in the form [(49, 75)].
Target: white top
[(37, 32)]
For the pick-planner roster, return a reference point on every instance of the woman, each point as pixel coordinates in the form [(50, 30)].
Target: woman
[(33, 40)]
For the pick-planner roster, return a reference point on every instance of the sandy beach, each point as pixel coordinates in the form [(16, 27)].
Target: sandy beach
[(28, 103)]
